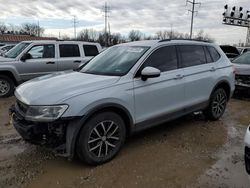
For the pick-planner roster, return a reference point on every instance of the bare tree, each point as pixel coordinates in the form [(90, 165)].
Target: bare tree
[(65, 37), (162, 35), (88, 35), (3, 28), (32, 29), (135, 35), (201, 35)]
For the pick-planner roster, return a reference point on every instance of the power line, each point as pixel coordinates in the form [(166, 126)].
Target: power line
[(193, 3)]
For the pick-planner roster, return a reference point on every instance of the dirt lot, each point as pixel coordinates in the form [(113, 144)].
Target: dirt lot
[(188, 152)]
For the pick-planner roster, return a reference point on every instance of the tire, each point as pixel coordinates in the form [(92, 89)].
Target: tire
[(6, 86), (101, 138), (217, 105)]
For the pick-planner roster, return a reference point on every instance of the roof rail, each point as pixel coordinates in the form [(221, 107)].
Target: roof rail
[(197, 40)]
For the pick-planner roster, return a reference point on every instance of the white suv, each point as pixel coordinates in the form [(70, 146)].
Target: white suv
[(127, 88)]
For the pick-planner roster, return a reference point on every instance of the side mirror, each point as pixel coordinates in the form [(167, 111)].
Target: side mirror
[(150, 72), (25, 57)]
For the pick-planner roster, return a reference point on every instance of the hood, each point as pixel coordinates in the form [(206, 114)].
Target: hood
[(4, 59), (242, 69), (58, 87)]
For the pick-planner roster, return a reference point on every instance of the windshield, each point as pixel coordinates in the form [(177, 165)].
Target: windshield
[(14, 52), (243, 59), (115, 61)]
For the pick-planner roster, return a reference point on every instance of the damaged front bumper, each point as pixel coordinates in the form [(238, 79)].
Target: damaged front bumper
[(56, 135), (242, 82)]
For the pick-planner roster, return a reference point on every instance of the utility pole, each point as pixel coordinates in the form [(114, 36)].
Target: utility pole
[(193, 3), (74, 22), (171, 32), (38, 28), (106, 11)]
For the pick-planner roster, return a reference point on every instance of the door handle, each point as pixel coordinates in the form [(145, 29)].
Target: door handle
[(179, 76), (77, 61), (212, 69), (50, 62)]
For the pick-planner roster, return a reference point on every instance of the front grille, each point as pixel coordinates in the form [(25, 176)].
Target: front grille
[(247, 159), (245, 79), (21, 107)]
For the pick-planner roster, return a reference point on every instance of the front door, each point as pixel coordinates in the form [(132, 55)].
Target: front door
[(157, 97), (42, 61)]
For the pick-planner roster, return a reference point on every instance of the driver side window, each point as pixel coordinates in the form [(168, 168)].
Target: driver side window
[(42, 51), (164, 59)]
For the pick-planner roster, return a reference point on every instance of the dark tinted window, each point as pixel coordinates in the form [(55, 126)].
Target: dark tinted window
[(192, 55), (214, 54), (42, 51), (69, 50), (90, 50), (164, 59), (208, 56)]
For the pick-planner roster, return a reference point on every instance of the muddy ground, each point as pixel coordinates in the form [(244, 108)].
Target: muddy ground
[(188, 152)]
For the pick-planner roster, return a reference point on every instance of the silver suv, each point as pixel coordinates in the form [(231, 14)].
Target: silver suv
[(125, 89), (31, 59)]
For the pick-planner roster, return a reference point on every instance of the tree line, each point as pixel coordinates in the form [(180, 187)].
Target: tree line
[(31, 29), (91, 35)]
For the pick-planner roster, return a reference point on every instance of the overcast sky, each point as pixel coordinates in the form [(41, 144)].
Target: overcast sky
[(147, 16)]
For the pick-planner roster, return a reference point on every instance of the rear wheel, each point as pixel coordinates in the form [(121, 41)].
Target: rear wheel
[(101, 138), (6, 86), (217, 105)]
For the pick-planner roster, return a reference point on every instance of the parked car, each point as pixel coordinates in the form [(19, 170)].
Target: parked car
[(5, 49), (125, 89), (230, 51), (243, 50), (242, 68), (31, 59), (247, 150)]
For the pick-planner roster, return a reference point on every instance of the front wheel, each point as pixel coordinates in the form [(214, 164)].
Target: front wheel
[(6, 86), (217, 105), (101, 138)]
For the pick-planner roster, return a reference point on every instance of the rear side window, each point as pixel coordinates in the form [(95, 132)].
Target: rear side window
[(214, 54), (164, 59), (208, 56), (192, 55), (90, 50), (69, 50)]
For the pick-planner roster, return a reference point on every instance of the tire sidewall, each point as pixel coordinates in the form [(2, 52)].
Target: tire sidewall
[(214, 95), (11, 85), (82, 143)]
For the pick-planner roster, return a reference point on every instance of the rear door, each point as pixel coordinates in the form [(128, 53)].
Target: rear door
[(42, 61), (199, 71), (69, 57), (159, 96)]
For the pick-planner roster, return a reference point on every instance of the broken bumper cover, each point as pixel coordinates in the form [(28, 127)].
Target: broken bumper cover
[(60, 135), (51, 134), (242, 82)]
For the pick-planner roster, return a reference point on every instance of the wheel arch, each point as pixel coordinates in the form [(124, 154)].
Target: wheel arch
[(10, 75), (225, 85), (73, 130)]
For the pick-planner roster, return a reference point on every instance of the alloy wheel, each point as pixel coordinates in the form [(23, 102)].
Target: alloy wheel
[(219, 104), (103, 139), (4, 87)]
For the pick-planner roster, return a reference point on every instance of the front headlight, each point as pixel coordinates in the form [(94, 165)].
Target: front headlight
[(45, 113)]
